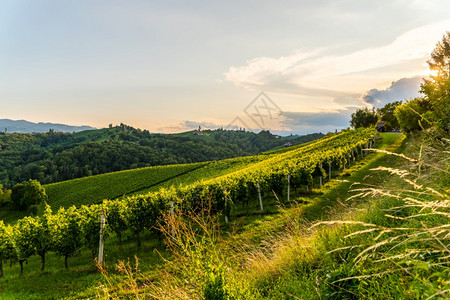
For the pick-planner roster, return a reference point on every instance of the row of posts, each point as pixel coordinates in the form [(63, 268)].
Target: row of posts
[(369, 145)]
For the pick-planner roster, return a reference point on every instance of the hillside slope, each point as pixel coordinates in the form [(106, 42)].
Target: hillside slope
[(55, 157), (247, 238)]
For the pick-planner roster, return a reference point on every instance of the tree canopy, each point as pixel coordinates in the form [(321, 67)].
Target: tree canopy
[(387, 115), (440, 57), (437, 90), (27, 194), (54, 157), (364, 117)]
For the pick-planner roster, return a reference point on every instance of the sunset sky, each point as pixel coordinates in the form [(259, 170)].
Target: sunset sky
[(170, 66)]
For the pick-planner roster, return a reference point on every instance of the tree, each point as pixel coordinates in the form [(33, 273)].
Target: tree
[(5, 195), (386, 114), (44, 239), (68, 234), (437, 90), (25, 235), (364, 117), (17, 194), (440, 57), (412, 115), (116, 217), (140, 214), (26, 194), (90, 227), (8, 248)]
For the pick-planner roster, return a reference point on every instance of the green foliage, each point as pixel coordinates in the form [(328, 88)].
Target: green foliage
[(67, 236), (412, 115), (55, 157), (437, 90), (26, 235), (27, 194), (90, 217), (44, 240), (387, 115), (17, 194), (117, 216), (364, 117), (8, 248), (69, 230), (5, 195), (94, 189), (440, 57), (215, 286), (437, 93)]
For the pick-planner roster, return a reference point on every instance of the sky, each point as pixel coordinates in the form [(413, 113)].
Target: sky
[(171, 66)]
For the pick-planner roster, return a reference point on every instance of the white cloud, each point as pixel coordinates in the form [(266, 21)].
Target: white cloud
[(321, 73)]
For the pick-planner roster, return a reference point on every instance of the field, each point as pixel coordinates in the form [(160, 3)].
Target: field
[(242, 217), (273, 253), (94, 189)]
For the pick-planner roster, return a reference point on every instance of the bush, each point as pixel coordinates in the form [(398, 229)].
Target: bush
[(24, 195), (413, 115)]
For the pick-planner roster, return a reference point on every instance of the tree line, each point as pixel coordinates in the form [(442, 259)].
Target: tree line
[(430, 111), (53, 157)]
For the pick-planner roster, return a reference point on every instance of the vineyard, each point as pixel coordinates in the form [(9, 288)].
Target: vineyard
[(221, 186), (93, 189)]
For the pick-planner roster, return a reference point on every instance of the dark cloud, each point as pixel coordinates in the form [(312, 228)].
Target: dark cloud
[(307, 122), (404, 88)]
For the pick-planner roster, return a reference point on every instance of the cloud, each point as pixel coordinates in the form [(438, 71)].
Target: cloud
[(205, 125), (322, 73), (305, 122), (399, 90), (188, 125)]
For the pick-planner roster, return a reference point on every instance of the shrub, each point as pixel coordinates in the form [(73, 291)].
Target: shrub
[(24, 195), (412, 115)]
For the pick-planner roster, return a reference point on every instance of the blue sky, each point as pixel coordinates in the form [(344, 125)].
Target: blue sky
[(169, 65)]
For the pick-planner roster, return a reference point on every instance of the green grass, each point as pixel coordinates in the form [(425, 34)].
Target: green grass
[(94, 189), (82, 278)]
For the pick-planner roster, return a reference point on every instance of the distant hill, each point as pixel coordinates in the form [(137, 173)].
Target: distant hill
[(22, 126)]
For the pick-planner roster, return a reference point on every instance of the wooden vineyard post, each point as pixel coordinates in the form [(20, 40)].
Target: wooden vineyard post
[(259, 195), (353, 156), (171, 215), (329, 170), (321, 177), (226, 216), (101, 241), (289, 188)]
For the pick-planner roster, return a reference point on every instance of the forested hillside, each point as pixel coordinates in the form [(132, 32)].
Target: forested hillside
[(53, 157)]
